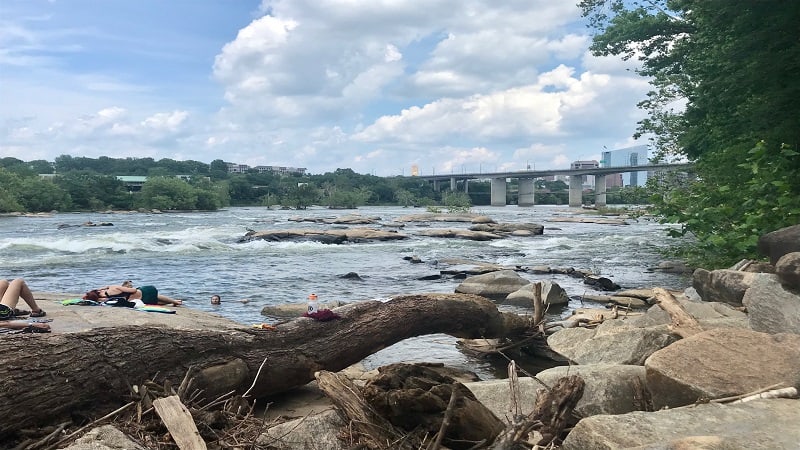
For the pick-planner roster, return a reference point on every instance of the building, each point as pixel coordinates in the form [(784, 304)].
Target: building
[(586, 180), (280, 170), (628, 157)]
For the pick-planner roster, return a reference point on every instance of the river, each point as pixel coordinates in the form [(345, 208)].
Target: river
[(196, 254)]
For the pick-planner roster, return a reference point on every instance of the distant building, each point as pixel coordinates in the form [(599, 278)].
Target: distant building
[(281, 170), (586, 180), (628, 157)]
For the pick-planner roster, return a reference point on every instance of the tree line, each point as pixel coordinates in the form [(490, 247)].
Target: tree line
[(725, 90), (88, 184)]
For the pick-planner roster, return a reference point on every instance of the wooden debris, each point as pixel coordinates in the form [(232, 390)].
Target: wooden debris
[(683, 324), (179, 422)]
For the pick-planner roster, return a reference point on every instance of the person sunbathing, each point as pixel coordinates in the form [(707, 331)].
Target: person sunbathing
[(10, 293), (147, 294)]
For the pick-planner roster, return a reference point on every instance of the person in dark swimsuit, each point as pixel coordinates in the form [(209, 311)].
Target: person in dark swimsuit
[(147, 294)]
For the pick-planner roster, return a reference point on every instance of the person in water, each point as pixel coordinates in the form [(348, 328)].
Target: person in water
[(10, 293), (215, 300), (147, 294)]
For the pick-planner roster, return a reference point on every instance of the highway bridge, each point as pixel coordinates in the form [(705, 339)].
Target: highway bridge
[(525, 179)]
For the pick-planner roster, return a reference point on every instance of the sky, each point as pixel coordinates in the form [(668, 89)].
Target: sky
[(376, 86)]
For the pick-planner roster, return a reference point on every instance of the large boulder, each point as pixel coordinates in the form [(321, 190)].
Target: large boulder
[(780, 242), (759, 424), (788, 270), (720, 363), (494, 285), (724, 285), (610, 389), (771, 308), (552, 294), (612, 342)]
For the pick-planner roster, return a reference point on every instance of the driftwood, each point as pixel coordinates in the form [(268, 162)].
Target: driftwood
[(683, 324), (79, 376), (372, 428), (551, 414), (179, 422)]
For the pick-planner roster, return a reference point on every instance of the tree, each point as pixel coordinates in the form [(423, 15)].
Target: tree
[(734, 64), (167, 193)]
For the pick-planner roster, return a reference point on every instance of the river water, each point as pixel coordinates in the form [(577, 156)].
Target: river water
[(194, 255)]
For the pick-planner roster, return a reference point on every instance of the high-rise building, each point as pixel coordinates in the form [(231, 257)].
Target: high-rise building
[(628, 157), (586, 180)]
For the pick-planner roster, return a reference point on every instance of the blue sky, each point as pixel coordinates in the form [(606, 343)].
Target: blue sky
[(377, 86)]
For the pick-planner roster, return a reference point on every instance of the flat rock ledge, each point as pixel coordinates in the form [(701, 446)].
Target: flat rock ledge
[(324, 236)]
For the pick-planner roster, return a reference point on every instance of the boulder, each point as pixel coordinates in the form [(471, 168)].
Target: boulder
[(106, 437), (610, 389), (788, 270), (494, 285), (780, 242), (552, 294), (509, 228), (602, 283), (724, 285), (612, 342), (759, 424), (720, 363), (771, 308), (314, 431)]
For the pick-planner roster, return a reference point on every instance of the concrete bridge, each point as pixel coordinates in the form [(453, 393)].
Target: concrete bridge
[(526, 178)]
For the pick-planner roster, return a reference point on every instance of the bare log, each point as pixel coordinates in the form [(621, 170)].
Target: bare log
[(683, 324), (49, 378)]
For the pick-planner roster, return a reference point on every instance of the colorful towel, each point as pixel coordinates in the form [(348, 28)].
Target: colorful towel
[(158, 309)]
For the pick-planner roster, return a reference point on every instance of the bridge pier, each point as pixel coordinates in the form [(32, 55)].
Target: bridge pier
[(466, 186), (526, 192), (575, 190), (498, 192), (599, 190)]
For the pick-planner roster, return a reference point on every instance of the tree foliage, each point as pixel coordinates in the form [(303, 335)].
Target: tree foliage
[(724, 77)]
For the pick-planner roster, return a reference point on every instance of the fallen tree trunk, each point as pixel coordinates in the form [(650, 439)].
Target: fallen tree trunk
[(83, 375)]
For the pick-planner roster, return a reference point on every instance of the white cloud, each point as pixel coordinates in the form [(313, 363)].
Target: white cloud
[(375, 85), (165, 121)]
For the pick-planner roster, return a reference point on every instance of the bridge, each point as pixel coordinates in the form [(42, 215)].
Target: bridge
[(526, 177)]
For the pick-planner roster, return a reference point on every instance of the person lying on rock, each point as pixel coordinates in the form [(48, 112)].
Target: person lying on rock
[(147, 294), (10, 293)]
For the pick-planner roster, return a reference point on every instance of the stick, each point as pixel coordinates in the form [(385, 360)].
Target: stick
[(448, 415), (538, 305), (790, 392), (256, 378)]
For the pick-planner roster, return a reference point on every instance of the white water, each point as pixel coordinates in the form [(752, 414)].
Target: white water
[(194, 255)]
